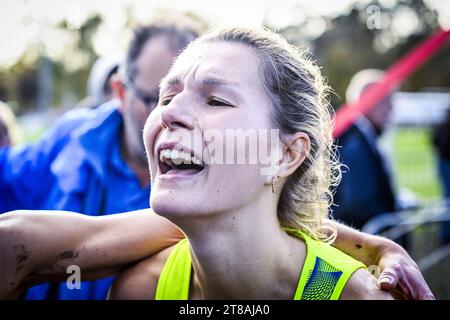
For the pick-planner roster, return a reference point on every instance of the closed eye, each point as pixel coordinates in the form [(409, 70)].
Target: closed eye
[(165, 101), (211, 101), (218, 102)]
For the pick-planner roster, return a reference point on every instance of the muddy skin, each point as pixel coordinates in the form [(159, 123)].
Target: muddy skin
[(21, 257)]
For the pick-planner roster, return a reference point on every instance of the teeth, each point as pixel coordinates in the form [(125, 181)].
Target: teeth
[(162, 156), (166, 156), (187, 158), (175, 157)]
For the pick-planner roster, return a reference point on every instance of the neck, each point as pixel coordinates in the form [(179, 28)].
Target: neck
[(134, 159), (244, 254), (376, 129)]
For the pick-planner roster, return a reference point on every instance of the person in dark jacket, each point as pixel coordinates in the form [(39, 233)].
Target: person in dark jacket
[(366, 188)]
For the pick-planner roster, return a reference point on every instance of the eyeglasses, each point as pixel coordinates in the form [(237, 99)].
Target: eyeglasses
[(149, 100)]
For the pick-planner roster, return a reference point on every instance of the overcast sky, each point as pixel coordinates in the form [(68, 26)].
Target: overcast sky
[(24, 22)]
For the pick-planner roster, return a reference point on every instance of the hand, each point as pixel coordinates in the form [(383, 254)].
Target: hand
[(401, 275)]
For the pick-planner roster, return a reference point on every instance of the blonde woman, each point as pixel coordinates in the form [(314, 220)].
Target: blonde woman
[(249, 235)]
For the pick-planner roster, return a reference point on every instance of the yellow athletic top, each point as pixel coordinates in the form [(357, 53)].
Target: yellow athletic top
[(325, 272)]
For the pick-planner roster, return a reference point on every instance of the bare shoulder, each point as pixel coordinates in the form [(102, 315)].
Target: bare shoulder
[(139, 282), (363, 286)]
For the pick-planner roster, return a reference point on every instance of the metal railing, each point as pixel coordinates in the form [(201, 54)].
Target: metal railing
[(425, 234)]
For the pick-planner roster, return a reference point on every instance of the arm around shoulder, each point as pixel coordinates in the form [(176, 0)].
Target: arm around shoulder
[(363, 286), (141, 280)]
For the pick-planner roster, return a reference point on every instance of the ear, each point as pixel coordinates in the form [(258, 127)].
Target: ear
[(295, 149), (119, 90)]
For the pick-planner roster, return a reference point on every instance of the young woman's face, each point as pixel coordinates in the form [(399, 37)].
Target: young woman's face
[(211, 102)]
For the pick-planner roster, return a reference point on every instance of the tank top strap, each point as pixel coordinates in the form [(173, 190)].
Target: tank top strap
[(174, 280), (325, 272)]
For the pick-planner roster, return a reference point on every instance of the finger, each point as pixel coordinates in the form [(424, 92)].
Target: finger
[(426, 296), (405, 278), (393, 279), (404, 283), (399, 295), (421, 291), (387, 280)]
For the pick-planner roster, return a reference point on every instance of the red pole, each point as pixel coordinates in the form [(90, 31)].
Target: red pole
[(396, 74)]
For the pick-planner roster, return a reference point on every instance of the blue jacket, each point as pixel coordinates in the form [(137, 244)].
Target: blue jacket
[(365, 190), (76, 166)]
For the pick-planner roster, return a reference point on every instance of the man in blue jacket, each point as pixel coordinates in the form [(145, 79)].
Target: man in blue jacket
[(93, 160), (366, 188)]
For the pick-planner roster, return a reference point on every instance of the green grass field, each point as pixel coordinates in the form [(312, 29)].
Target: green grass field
[(414, 165)]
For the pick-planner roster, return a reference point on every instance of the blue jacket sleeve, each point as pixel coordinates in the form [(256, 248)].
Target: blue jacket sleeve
[(25, 170)]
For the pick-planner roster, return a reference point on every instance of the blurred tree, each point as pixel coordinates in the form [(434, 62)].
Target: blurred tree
[(72, 72), (69, 75), (342, 44), (67, 71), (4, 90), (372, 35), (84, 35), (27, 89), (19, 81)]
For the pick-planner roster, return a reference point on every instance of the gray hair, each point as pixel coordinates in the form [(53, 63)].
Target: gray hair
[(360, 81), (178, 34)]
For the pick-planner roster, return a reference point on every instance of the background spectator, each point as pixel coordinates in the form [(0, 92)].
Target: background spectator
[(365, 190), (99, 87)]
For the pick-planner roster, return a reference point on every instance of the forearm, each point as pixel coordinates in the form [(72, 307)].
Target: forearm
[(97, 243), (38, 246), (361, 246), (129, 237), (398, 272)]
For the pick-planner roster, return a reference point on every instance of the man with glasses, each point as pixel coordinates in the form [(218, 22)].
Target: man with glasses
[(93, 160)]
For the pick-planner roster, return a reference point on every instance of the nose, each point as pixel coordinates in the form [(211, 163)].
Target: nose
[(178, 113)]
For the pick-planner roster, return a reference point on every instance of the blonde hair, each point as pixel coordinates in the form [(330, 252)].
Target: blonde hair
[(299, 96)]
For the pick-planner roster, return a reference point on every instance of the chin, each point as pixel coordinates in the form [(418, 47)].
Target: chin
[(166, 205), (180, 210)]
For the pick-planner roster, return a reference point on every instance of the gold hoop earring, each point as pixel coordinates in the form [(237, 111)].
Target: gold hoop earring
[(274, 179)]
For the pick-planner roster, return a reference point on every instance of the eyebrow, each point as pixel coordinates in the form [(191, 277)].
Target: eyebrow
[(212, 81), (173, 81), (169, 82), (206, 81)]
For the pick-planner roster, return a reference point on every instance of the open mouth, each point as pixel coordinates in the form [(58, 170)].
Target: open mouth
[(181, 162)]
